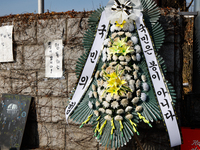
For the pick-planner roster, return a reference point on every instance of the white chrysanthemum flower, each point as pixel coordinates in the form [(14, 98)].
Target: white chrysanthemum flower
[(93, 87), (131, 27), (108, 69), (108, 117), (130, 43), (128, 34), (114, 104), (120, 33), (105, 42), (104, 57), (90, 94), (135, 100), (135, 75), (143, 97), (128, 68), (90, 104), (99, 90), (143, 77), (119, 67), (109, 112), (113, 35), (137, 48), (108, 97), (105, 84), (113, 63), (114, 28), (138, 109), (133, 57), (101, 82), (118, 118), (132, 87), (129, 95), (95, 94), (145, 86), (102, 110), (137, 84), (124, 102), (104, 66), (129, 116), (135, 67), (128, 58), (96, 113), (97, 74), (106, 104), (121, 58), (123, 63), (120, 111), (109, 44), (115, 57), (128, 108), (131, 82), (97, 104), (138, 92), (134, 39), (109, 57), (117, 97), (128, 77), (138, 57), (101, 73)]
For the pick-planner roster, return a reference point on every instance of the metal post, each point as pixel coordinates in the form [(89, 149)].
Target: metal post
[(40, 6), (196, 49)]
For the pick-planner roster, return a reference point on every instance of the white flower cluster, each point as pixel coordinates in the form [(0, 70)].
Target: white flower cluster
[(121, 53)]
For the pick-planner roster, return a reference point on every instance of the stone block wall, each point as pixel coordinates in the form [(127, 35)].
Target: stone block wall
[(46, 126)]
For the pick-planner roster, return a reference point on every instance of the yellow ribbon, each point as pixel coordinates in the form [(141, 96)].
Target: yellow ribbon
[(121, 125), (86, 121), (101, 129), (144, 119), (134, 125), (112, 125)]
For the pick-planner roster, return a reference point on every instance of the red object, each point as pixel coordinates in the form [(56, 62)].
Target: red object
[(191, 139)]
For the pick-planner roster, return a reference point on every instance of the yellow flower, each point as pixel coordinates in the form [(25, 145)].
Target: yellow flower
[(119, 43), (113, 50), (120, 25), (113, 90), (125, 50)]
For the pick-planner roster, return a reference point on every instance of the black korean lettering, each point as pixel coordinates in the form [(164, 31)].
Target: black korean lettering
[(51, 70), (57, 61), (148, 48), (70, 107), (145, 39), (2, 44), (4, 36), (57, 54), (170, 115), (166, 104), (153, 66), (162, 92), (93, 56), (102, 30), (9, 36), (49, 45), (57, 67), (83, 81), (51, 58), (1, 34), (51, 66), (142, 28)]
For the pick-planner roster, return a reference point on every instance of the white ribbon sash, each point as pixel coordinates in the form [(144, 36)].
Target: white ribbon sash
[(162, 94), (90, 64)]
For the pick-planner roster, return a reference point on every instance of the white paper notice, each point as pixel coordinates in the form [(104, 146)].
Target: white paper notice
[(54, 56), (6, 47)]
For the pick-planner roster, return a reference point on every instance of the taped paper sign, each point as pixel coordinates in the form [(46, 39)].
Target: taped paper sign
[(6, 48), (54, 55)]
